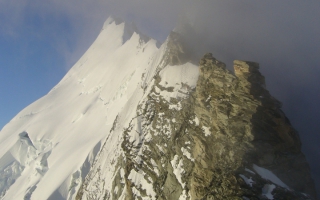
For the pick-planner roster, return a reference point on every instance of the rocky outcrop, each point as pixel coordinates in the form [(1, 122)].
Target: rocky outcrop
[(226, 138), (248, 128)]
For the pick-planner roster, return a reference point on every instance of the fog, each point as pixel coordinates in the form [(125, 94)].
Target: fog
[(283, 36)]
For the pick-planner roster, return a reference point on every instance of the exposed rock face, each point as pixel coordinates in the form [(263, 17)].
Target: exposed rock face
[(226, 138), (248, 128)]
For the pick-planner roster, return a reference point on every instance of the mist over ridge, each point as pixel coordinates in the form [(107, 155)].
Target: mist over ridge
[(282, 36)]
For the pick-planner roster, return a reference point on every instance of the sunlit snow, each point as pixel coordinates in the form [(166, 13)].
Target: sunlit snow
[(66, 125), (48, 148)]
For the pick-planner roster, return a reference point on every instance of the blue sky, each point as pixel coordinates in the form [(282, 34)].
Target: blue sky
[(30, 63), (40, 41)]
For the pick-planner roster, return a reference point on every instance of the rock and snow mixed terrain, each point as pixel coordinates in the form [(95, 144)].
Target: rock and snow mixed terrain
[(134, 121)]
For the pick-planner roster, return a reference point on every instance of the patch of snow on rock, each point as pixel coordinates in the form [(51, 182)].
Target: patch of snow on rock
[(250, 171), (267, 174), (196, 120), (155, 167), (175, 106), (267, 190), (181, 78), (183, 196), (178, 170), (248, 181), (139, 181), (206, 130), (209, 98), (187, 154)]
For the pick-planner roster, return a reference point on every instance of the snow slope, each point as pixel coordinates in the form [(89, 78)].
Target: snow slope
[(47, 149)]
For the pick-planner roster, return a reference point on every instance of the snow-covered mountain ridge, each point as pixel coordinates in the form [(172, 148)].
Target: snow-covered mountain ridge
[(133, 121)]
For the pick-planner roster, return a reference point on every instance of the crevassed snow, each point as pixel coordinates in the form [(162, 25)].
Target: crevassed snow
[(267, 174)]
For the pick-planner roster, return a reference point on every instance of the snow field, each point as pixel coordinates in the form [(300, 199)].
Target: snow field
[(74, 117)]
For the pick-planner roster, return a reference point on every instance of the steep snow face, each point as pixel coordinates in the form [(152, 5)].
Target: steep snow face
[(111, 173), (48, 148)]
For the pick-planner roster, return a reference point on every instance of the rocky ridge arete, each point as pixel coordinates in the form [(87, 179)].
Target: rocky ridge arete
[(225, 138)]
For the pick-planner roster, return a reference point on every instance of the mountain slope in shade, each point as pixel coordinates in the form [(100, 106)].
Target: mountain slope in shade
[(133, 121)]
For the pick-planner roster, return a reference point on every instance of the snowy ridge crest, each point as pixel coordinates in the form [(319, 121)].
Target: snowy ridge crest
[(129, 29)]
